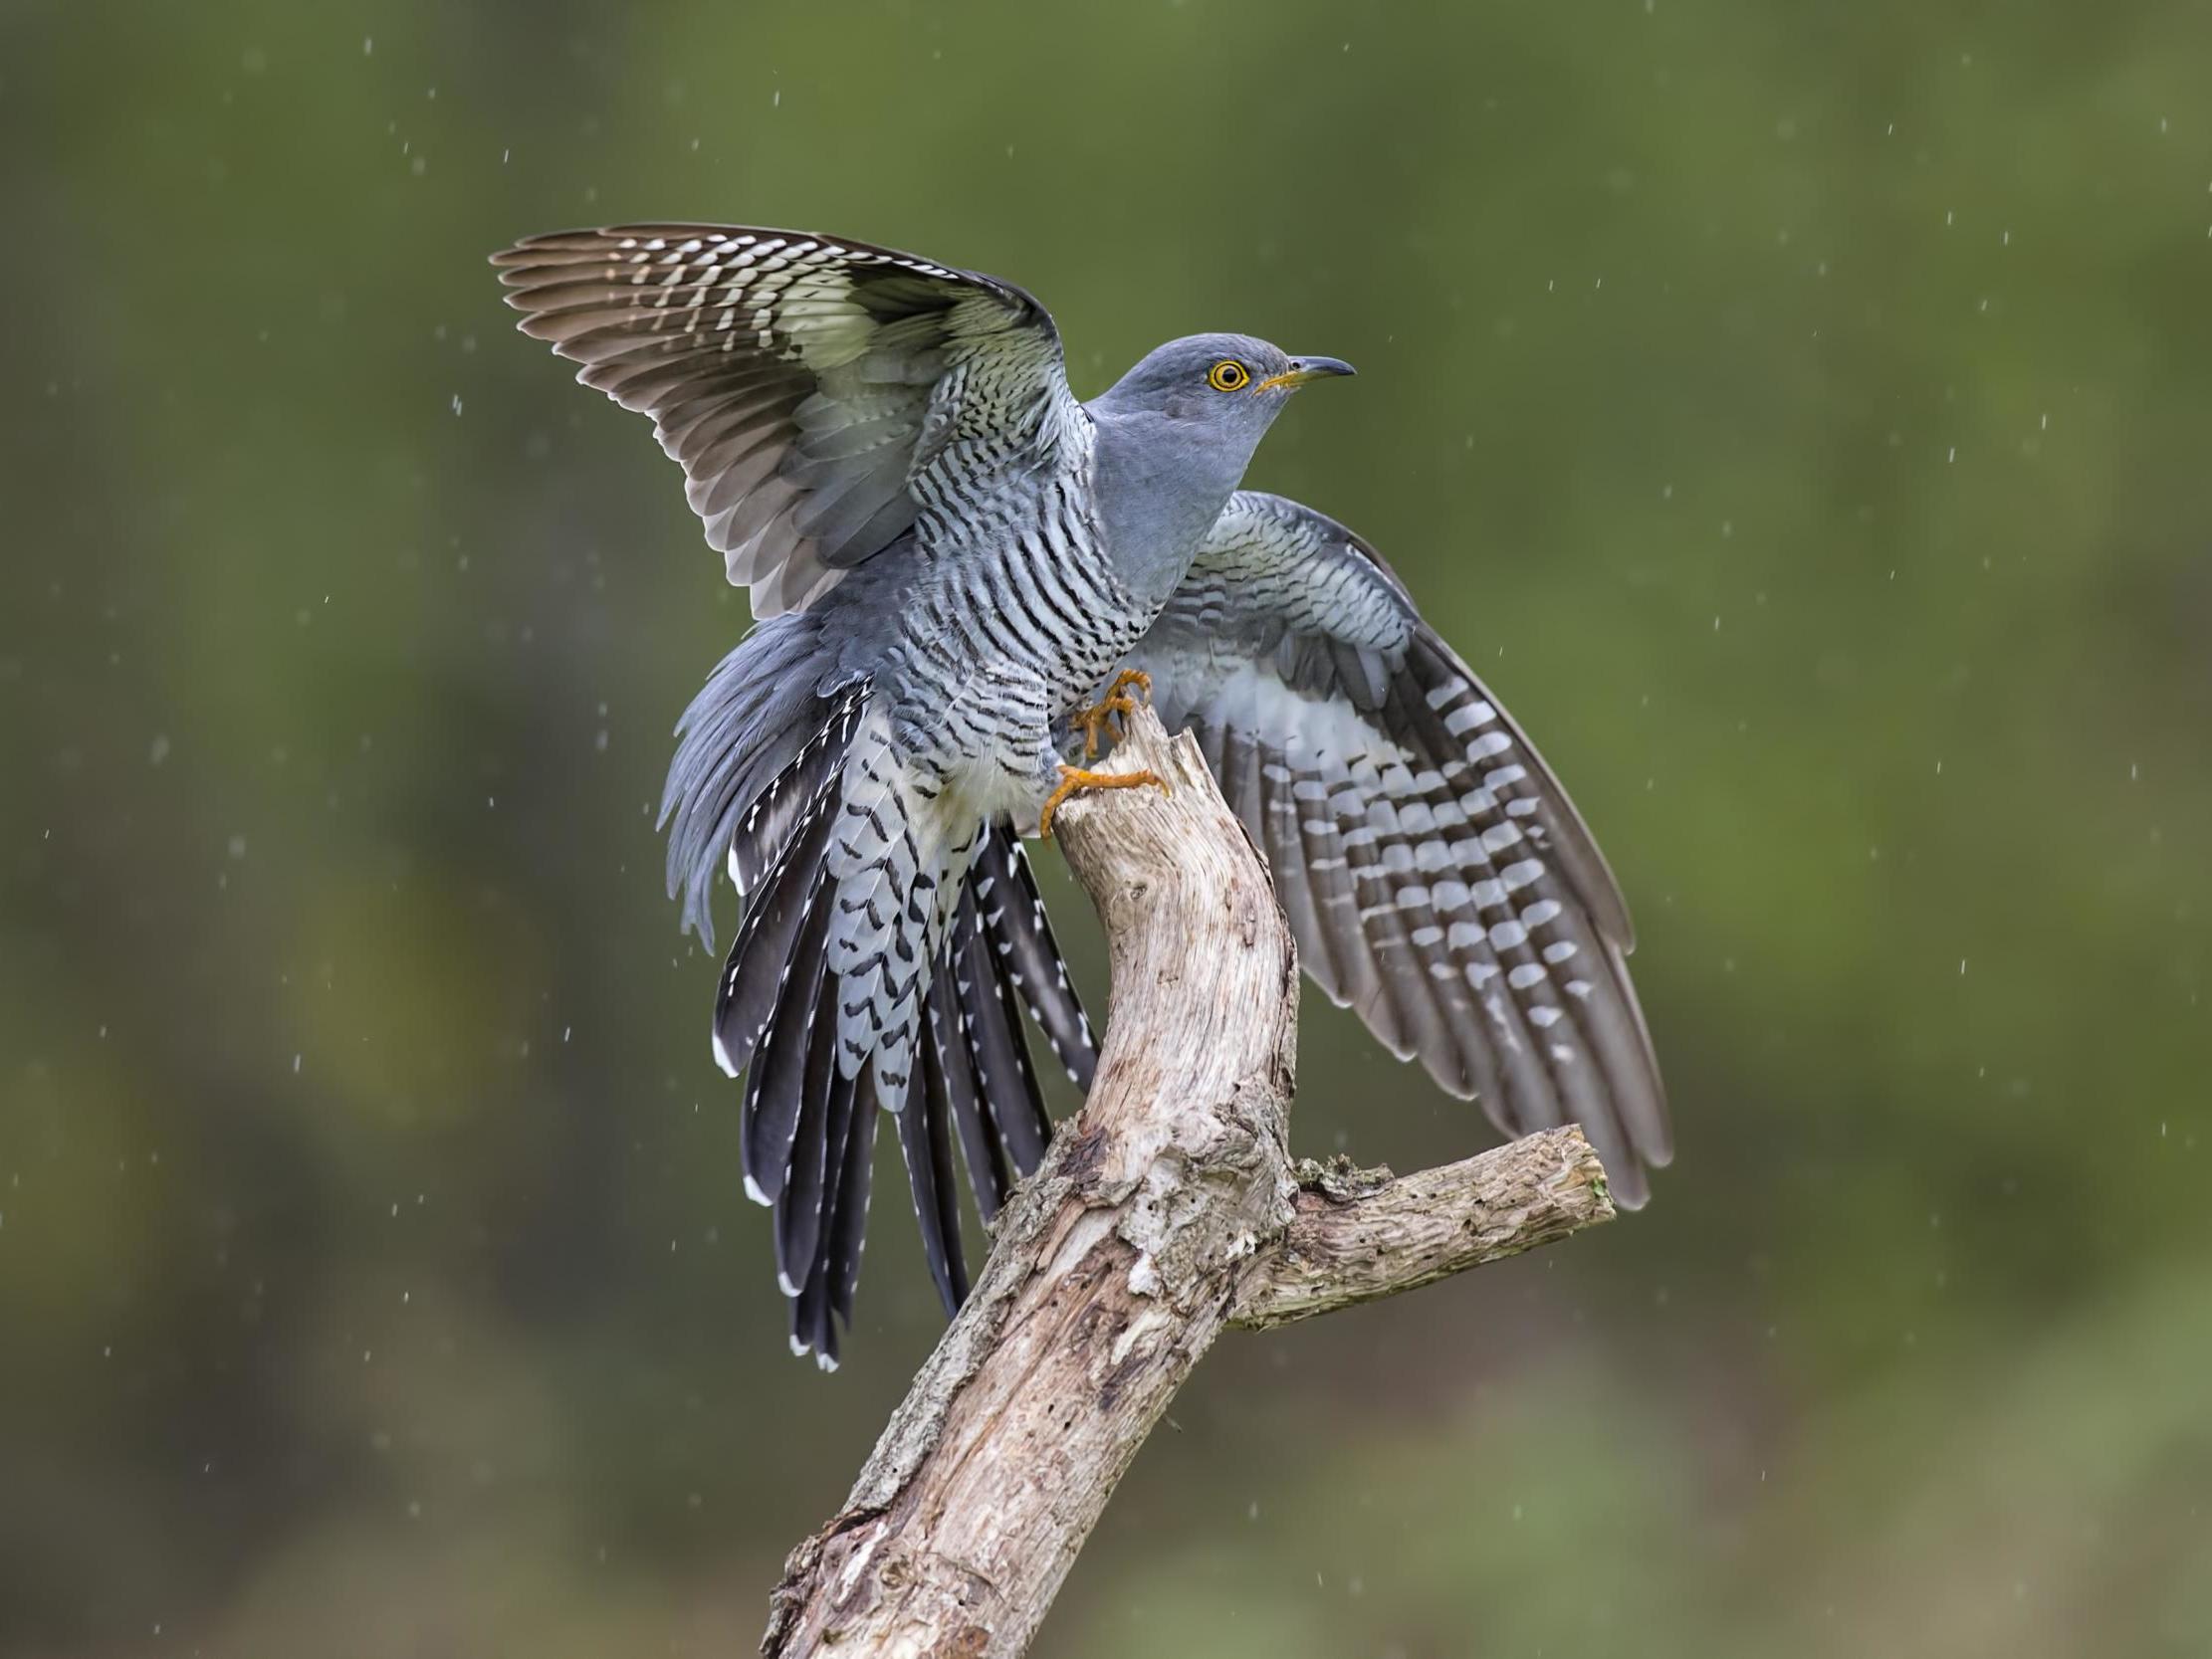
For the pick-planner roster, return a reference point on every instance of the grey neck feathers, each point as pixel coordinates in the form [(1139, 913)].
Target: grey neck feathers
[(1160, 485)]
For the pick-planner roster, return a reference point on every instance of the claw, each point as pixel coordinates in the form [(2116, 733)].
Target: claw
[(1131, 677), (1074, 778), (1099, 717)]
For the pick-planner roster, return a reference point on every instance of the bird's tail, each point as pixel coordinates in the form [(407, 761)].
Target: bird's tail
[(871, 944), (979, 1087)]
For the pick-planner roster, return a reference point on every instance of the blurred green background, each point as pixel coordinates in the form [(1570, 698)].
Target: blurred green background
[(1800, 413)]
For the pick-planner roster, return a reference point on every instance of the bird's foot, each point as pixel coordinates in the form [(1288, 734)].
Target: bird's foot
[(1097, 719), (1096, 723), (1074, 778), (1129, 677)]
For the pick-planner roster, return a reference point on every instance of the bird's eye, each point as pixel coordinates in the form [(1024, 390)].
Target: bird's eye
[(1228, 375)]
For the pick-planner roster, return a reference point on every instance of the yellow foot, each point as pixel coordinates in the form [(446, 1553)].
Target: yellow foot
[(1129, 677), (1073, 778), (1099, 718)]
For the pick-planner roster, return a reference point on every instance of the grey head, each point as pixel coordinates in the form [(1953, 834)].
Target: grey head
[(1218, 383), (1174, 435)]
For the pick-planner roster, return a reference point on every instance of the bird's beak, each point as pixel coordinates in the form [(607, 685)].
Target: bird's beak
[(1302, 370)]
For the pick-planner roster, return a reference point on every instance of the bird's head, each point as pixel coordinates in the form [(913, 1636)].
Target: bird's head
[(1230, 383)]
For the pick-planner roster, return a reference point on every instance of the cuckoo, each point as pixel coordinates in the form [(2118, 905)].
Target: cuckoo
[(954, 566)]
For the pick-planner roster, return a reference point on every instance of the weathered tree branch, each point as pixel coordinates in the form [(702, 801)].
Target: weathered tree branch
[(1167, 1208), (1360, 1234)]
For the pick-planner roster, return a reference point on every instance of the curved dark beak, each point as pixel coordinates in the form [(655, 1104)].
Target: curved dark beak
[(1302, 369)]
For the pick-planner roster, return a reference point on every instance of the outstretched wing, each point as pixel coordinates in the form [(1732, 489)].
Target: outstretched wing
[(823, 396), (1436, 874)]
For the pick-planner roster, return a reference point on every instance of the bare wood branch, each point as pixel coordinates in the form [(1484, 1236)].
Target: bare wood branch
[(1164, 1209), (1360, 1234)]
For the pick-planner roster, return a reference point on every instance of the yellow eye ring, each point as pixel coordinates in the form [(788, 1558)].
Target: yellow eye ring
[(1228, 375)]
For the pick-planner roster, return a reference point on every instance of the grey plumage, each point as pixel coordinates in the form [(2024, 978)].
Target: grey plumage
[(1436, 874), (746, 725), (948, 555)]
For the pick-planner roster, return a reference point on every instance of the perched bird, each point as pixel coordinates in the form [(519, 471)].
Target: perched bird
[(955, 567)]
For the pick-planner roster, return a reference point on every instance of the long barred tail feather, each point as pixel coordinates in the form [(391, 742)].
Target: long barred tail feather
[(979, 1083), (1005, 1081), (838, 1218), (866, 948), (824, 1108), (983, 1153), (925, 1140), (849, 1226), (753, 977), (775, 1081), (812, 1329), (1014, 916), (796, 785)]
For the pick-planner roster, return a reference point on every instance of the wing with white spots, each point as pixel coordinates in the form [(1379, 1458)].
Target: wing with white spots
[(823, 396), (1436, 874)]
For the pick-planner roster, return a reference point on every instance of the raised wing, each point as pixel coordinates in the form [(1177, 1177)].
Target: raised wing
[(823, 396), (1436, 874)]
